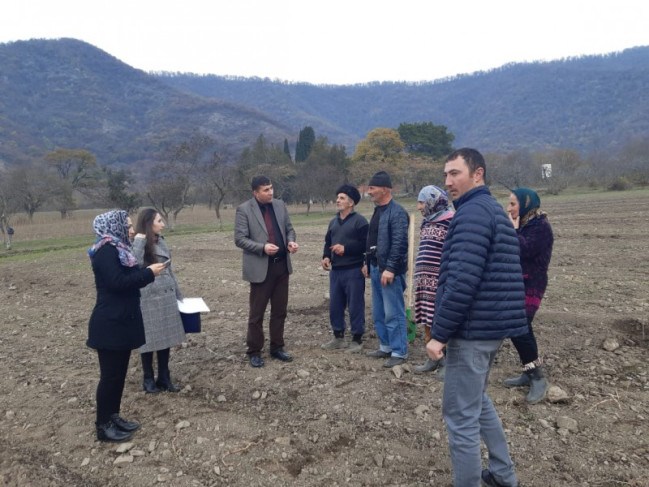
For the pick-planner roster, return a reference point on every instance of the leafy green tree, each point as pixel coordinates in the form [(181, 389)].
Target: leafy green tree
[(381, 144), (305, 142), (426, 139), (267, 159), (287, 149), (118, 183), (320, 175)]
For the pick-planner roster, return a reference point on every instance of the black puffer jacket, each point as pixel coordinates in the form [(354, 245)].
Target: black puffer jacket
[(392, 242)]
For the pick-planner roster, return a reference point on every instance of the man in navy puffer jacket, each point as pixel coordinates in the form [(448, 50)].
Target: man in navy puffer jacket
[(480, 301)]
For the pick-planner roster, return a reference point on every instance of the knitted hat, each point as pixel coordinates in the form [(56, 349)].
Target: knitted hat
[(350, 191), (381, 179)]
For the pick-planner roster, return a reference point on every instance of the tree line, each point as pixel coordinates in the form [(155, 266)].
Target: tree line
[(202, 170)]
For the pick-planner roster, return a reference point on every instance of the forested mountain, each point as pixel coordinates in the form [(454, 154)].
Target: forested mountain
[(582, 103), (67, 93)]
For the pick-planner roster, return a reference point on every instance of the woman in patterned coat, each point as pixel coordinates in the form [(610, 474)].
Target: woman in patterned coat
[(434, 206), (535, 239), (162, 324)]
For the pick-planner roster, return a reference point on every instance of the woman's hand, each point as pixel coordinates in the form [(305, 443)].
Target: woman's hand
[(515, 221), (157, 268)]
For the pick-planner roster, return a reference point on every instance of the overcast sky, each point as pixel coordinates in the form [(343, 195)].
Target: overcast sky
[(333, 41)]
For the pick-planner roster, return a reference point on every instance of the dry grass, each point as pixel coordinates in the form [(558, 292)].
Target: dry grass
[(48, 224)]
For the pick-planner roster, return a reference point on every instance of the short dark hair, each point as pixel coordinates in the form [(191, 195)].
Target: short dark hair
[(259, 181), (473, 159)]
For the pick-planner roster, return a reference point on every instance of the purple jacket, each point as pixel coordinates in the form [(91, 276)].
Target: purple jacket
[(535, 240)]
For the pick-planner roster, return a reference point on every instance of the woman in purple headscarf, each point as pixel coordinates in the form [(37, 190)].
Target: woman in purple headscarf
[(434, 205), (115, 326), (535, 238)]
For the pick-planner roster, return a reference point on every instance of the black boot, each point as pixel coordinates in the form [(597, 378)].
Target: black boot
[(148, 384), (124, 425), (164, 382), (109, 431)]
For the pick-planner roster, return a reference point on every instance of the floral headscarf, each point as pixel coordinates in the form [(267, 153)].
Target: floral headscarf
[(112, 228), (529, 205), (436, 204)]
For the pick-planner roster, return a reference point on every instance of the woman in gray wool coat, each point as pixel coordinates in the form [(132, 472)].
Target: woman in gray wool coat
[(162, 324)]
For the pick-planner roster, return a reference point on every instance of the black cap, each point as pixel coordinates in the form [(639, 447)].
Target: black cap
[(350, 191), (381, 179)]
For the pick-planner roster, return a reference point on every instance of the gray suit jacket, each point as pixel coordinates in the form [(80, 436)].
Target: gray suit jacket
[(250, 234)]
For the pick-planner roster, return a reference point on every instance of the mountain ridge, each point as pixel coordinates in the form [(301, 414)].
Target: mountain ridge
[(68, 93)]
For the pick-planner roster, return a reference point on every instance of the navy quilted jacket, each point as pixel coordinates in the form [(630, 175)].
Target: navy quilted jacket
[(480, 294)]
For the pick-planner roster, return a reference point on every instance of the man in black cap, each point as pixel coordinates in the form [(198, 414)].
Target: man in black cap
[(387, 262), (343, 255)]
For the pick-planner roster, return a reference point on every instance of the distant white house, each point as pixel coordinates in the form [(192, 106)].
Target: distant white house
[(546, 171)]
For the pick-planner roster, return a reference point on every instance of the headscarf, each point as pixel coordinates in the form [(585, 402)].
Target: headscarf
[(529, 205), (436, 204), (112, 228)]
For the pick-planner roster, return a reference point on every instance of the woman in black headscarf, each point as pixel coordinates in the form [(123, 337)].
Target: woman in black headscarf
[(115, 326)]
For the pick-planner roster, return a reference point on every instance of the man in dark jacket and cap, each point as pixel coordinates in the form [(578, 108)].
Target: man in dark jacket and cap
[(343, 255), (480, 301), (387, 262)]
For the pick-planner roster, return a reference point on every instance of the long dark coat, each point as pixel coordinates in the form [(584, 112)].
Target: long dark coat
[(162, 324), (116, 321)]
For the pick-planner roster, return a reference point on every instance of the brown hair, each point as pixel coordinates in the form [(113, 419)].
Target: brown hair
[(145, 226)]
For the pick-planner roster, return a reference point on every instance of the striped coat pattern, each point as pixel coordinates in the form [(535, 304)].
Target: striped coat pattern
[(429, 257), (162, 325)]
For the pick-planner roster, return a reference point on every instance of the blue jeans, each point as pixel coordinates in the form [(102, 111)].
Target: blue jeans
[(469, 414), (347, 290), (389, 313)]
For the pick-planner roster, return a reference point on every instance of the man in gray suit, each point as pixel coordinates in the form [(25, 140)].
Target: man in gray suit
[(264, 232)]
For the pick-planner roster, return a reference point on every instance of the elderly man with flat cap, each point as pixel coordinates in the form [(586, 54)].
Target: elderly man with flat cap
[(343, 255), (387, 262)]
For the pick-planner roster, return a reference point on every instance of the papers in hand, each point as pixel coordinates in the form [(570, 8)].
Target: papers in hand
[(192, 305)]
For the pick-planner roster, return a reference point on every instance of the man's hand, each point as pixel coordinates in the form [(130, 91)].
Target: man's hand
[(292, 247), (270, 249), (435, 349), (338, 249), (326, 264), (387, 278), (365, 271)]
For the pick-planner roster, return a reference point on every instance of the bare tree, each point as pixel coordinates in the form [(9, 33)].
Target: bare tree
[(76, 170), (30, 187), (171, 182), (219, 179), (7, 207)]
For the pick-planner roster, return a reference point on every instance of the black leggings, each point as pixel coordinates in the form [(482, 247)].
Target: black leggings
[(113, 365), (526, 346), (147, 363)]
